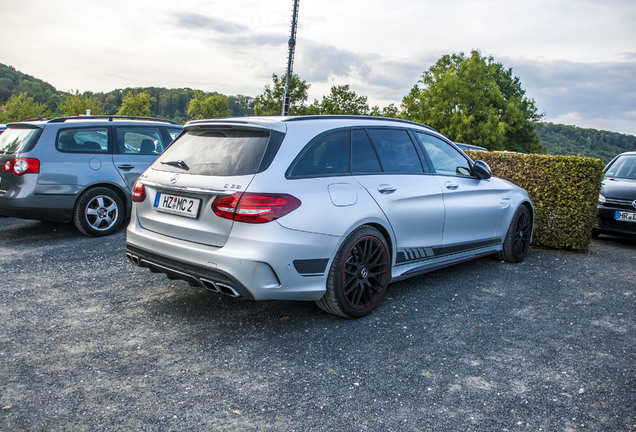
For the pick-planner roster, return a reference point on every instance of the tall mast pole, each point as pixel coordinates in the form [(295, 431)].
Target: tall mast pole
[(290, 59)]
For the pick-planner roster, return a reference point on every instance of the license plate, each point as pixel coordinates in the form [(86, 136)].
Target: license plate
[(182, 206), (625, 216)]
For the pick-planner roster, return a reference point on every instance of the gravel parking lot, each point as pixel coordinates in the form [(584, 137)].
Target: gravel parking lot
[(90, 342)]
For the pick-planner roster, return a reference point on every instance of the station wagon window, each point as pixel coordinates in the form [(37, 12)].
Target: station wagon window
[(143, 141), (327, 156), (223, 152), (364, 160), (174, 133), (446, 159), (396, 151), (85, 140)]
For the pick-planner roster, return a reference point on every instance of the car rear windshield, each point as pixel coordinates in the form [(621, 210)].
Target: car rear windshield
[(226, 152), (18, 139)]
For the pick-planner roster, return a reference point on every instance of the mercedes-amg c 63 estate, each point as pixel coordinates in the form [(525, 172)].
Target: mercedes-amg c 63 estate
[(324, 208)]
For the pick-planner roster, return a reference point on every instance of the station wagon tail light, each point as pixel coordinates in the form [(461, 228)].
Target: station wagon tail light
[(138, 192), (254, 207), (22, 166)]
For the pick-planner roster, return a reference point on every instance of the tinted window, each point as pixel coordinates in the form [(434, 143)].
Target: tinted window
[(230, 152), (396, 151), (85, 140), (139, 141), (328, 155), (444, 157), (363, 156)]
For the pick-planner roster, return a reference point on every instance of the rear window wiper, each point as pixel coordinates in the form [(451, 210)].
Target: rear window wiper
[(179, 164)]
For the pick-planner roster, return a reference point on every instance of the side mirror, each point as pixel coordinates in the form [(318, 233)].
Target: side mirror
[(481, 170)]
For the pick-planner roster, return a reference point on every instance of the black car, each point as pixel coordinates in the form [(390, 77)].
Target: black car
[(617, 201)]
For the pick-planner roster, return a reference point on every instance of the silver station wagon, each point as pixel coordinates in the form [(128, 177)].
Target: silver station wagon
[(78, 169), (329, 209)]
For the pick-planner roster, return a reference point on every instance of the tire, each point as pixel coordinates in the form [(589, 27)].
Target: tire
[(517, 241), (98, 212), (358, 276)]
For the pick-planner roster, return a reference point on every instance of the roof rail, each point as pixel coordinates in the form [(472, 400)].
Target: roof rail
[(352, 117), (110, 118)]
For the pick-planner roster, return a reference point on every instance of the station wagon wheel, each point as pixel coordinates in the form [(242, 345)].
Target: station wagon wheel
[(98, 212), (517, 241), (358, 276)]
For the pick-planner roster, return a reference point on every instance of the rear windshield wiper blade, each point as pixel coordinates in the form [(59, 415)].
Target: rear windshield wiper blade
[(179, 164)]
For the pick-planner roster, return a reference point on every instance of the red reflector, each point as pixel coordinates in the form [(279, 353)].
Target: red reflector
[(254, 207), (138, 192)]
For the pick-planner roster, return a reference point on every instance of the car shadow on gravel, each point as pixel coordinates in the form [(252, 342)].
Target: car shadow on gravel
[(24, 232)]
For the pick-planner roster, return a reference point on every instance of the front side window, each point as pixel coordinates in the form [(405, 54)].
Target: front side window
[(218, 152), (446, 159), (85, 140), (396, 151), (143, 141), (327, 156)]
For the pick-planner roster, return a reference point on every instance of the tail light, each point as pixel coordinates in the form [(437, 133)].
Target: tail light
[(138, 192), (254, 207), (22, 166)]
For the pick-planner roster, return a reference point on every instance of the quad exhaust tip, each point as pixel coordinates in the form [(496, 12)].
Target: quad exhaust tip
[(217, 287)]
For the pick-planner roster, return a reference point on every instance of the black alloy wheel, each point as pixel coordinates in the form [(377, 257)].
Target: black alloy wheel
[(359, 275), (517, 241)]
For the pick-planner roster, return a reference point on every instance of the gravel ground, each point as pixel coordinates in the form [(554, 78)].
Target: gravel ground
[(90, 342)]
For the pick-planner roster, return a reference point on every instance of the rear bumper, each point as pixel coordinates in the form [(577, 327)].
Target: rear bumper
[(264, 262), (51, 208)]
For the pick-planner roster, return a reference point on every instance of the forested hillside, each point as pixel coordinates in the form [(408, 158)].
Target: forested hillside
[(575, 141), (173, 104)]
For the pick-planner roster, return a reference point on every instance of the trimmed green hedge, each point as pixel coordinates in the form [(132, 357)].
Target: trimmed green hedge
[(563, 189)]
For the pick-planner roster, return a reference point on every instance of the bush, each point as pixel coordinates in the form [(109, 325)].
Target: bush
[(563, 189)]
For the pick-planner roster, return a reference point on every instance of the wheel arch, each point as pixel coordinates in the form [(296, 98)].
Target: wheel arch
[(123, 196)]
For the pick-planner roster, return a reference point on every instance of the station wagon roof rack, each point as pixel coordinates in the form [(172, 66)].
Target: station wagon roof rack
[(110, 118), (352, 117)]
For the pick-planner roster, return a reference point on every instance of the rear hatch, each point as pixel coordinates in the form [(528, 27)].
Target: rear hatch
[(206, 161), (16, 140)]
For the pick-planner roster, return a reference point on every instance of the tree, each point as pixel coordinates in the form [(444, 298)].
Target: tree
[(342, 100), (477, 101), (208, 106), (76, 104), (136, 105), (271, 101), (22, 107), (388, 111)]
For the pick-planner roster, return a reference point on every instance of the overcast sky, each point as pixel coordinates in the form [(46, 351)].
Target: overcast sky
[(575, 58)]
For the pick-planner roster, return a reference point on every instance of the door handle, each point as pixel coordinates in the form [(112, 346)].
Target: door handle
[(125, 167), (451, 185), (386, 188)]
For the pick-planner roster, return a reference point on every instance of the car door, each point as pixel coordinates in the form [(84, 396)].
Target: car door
[(386, 162), (136, 148), (472, 206)]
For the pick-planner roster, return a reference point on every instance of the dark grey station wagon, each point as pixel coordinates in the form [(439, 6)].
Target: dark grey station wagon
[(78, 169)]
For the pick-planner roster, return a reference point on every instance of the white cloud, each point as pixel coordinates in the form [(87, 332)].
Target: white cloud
[(575, 58)]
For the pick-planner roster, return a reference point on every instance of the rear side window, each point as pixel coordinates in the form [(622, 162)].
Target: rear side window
[(146, 141), (18, 139), (326, 156), (85, 140), (218, 152), (396, 151), (364, 160)]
